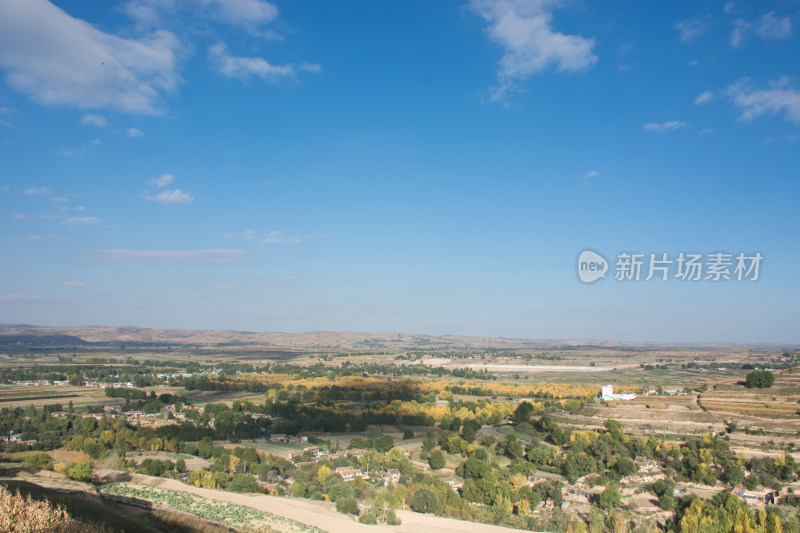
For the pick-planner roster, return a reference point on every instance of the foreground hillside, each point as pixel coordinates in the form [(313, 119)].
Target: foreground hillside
[(20, 514)]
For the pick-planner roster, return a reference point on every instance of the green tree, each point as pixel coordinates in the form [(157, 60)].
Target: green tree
[(347, 505), (426, 501), (384, 443), (761, 379), (436, 459), (243, 483), (609, 498)]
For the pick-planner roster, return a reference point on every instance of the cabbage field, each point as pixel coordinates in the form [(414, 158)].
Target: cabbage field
[(230, 514)]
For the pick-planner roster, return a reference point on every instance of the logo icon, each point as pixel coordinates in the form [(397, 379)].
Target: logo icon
[(591, 266)]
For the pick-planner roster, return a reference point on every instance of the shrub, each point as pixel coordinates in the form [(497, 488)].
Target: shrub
[(40, 460), (347, 505), (81, 471)]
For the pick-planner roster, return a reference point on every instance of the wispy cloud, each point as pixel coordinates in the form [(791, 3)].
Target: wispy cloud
[(772, 27), (248, 14), (780, 98), (249, 234), (247, 67), (180, 256), (38, 191), (672, 125), (134, 132), (591, 174), (279, 281), (14, 297), (70, 152), (172, 196), (692, 29), (278, 237), (163, 180), (168, 196), (769, 27), (704, 97), (705, 131), (226, 286), (791, 137), (57, 59), (739, 31), (80, 221), (74, 284), (94, 120), (6, 114), (523, 28)]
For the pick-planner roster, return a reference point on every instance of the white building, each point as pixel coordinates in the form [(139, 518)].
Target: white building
[(608, 394)]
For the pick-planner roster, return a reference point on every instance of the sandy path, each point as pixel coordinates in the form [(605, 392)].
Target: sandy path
[(323, 515)]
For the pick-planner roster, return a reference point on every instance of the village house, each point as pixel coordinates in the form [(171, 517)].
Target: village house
[(349, 473)]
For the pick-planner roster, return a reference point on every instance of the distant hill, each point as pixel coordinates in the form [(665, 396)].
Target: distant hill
[(43, 339), (71, 335)]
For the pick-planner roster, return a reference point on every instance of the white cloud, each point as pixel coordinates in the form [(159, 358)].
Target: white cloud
[(172, 196), (781, 97), (227, 286), (38, 191), (672, 125), (228, 236), (692, 29), (730, 8), (249, 234), (48, 237), (244, 11), (19, 216), (771, 27), (705, 131), (591, 174), (14, 297), (247, 13), (791, 137), (96, 142), (70, 152), (76, 284), (94, 120), (183, 256), (163, 180), (134, 132), (523, 29), (704, 97), (57, 59), (80, 221), (246, 67), (739, 32), (59, 199), (278, 237), (6, 114)]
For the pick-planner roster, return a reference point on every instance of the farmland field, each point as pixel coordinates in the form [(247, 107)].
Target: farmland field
[(239, 516)]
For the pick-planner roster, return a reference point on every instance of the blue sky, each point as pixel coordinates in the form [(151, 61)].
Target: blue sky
[(427, 167)]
